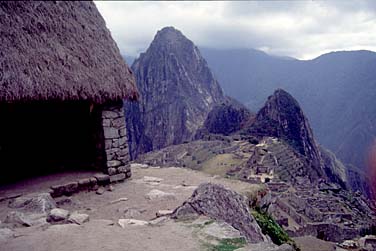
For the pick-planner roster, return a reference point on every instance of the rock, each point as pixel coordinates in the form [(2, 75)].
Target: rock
[(132, 213), (159, 221), (110, 114), (159, 195), (78, 218), (161, 213), (66, 189), (17, 219), (65, 201), (71, 188), (103, 179), (100, 191), (117, 177), (222, 204), (221, 230), (35, 203), (6, 233), (113, 163), (349, 244), (368, 242), (132, 222), (119, 200), (112, 171), (111, 133), (149, 179), (84, 184), (57, 214), (110, 188), (226, 118)]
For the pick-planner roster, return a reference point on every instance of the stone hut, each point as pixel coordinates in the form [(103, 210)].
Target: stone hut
[(62, 86)]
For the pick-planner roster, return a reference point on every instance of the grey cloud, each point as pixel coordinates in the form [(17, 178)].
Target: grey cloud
[(302, 29)]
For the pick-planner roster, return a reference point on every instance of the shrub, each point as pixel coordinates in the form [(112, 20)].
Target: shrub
[(272, 228)]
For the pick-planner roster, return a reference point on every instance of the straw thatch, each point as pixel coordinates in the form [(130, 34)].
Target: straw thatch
[(59, 51)]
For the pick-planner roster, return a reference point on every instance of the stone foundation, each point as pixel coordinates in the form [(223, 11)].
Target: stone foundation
[(116, 142)]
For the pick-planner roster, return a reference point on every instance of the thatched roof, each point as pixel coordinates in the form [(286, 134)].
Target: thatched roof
[(59, 51)]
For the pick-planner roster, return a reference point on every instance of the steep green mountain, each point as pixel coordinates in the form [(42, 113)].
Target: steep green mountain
[(177, 91)]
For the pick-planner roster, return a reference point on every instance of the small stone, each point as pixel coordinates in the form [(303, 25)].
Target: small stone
[(157, 194), (123, 152), (110, 188), (110, 133), (64, 201), (119, 200), (57, 214), (123, 132), (117, 177), (128, 174), (132, 222), (103, 179), (122, 141), (119, 122), (349, 244), (78, 218), (161, 213), (84, 184), (122, 169), (57, 191), (71, 188), (111, 171), (110, 114), (113, 163), (115, 143), (93, 181), (106, 122), (100, 191), (149, 179)]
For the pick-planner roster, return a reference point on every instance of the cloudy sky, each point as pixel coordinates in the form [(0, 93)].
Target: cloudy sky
[(301, 29)]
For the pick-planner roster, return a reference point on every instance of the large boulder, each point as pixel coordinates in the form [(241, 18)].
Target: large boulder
[(219, 203), (40, 203), (57, 215), (17, 219)]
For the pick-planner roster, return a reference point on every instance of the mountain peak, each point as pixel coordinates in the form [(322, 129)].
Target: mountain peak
[(283, 118), (177, 89), (169, 35)]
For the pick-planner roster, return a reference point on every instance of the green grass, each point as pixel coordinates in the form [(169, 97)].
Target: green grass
[(227, 245), (272, 229)]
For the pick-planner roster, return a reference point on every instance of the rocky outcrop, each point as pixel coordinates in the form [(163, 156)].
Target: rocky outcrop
[(221, 204), (282, 117), (177, 91), (226, 118)]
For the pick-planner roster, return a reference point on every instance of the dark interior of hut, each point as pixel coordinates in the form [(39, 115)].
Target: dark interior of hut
[(39, 138)]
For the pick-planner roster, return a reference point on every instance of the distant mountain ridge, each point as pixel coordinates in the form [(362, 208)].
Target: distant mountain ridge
[(337, 91)]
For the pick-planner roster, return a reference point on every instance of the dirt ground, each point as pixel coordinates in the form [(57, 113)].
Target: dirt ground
[(309, 243), (102, 231)]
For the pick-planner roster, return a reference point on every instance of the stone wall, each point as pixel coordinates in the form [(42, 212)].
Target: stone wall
[(116, 146)]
